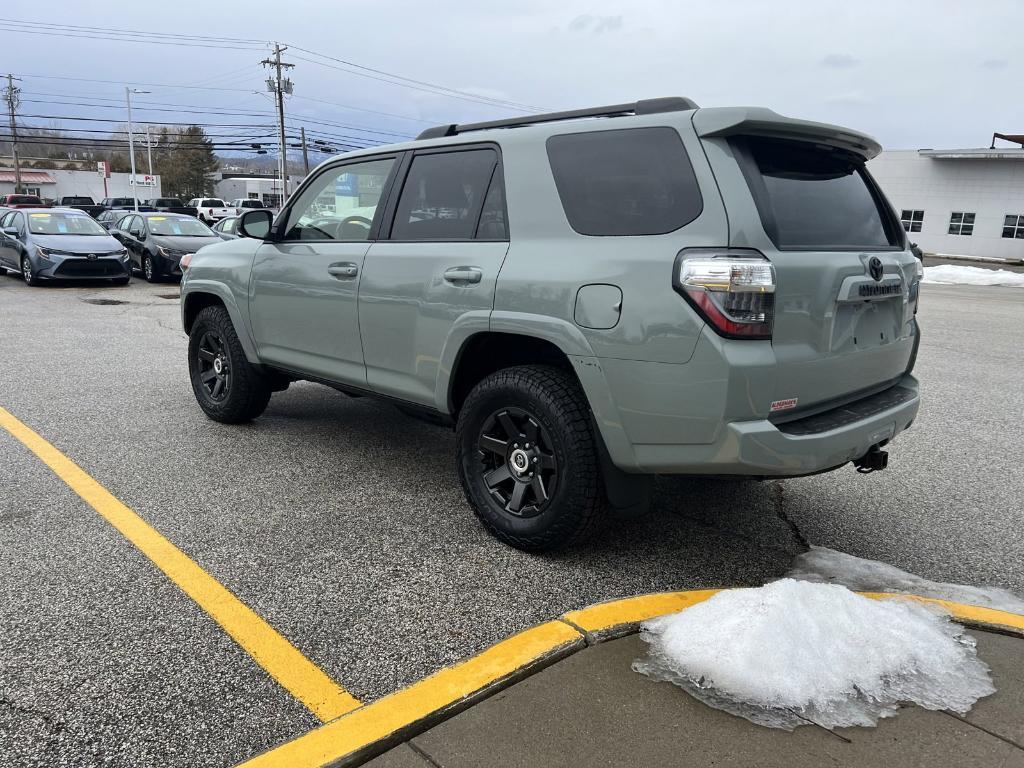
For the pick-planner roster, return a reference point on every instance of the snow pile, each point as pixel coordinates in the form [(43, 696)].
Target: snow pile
[(953, 273), (794, 652), (823, 565)]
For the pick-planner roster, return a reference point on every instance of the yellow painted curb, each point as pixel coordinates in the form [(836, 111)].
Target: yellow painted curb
[(376, 727), (423, 703)]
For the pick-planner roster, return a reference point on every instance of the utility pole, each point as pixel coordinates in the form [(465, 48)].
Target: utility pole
[(12, 106), (305, 153), (280, 86), (131, 144), (149, 150)]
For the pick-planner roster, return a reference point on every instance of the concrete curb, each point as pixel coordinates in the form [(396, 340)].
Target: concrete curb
[(376, 727)]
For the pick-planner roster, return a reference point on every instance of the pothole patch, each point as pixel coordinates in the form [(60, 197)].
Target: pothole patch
[(168, 295), (104, 302)]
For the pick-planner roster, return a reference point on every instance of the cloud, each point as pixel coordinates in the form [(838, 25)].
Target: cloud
[(597, 25), (839, 61), (995, 63)]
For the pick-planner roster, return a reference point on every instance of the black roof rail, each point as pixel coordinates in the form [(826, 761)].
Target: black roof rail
[(642, 107)]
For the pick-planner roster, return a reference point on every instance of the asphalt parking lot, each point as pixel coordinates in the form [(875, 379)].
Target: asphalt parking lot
[(340, 522)]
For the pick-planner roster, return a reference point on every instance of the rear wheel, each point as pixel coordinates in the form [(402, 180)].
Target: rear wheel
[(226, 386), (528, 460)]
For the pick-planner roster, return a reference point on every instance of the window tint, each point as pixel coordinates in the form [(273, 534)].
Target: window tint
[(636, 181), (492, 218), (443, 195), (811, 196), (341, 203)]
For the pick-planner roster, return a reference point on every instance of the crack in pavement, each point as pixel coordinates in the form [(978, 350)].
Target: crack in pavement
[(780, 512)]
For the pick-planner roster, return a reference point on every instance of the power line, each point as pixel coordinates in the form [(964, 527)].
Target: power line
[(121, 30)]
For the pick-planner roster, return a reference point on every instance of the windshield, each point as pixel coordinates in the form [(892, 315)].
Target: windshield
[(213, 203), (179, 227), (60, 223)]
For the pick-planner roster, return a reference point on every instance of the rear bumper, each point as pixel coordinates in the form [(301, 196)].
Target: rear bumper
[(816, 444)]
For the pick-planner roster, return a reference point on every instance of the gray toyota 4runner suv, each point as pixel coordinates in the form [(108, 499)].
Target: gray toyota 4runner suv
[(590, 297)]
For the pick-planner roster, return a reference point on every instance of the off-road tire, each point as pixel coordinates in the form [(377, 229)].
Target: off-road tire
[(578, 503), (248, 392)]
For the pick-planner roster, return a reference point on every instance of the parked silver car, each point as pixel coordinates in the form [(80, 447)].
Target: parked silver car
[(45, 244)]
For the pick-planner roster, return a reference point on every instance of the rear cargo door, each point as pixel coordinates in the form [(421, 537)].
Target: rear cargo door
[(845, 294)]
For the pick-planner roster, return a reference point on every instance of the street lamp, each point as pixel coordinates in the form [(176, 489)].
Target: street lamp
[(131, 145)]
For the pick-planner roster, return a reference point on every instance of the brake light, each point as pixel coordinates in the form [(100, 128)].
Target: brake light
[(732, 288)]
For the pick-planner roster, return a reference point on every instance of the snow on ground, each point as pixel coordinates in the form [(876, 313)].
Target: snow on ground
[(954, 273), (823, 565), (793, 652)]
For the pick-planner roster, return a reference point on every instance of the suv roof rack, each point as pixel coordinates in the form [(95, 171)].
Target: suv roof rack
[(642, 107)]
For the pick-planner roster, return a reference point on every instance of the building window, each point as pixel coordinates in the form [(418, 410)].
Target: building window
[(912, 220), (961, 223), (1013, 226)]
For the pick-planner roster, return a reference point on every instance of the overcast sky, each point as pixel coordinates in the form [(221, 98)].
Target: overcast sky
[(913, 74)]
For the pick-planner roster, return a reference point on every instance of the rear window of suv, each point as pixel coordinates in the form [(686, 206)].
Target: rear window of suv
[(635, 181), (811, 196)]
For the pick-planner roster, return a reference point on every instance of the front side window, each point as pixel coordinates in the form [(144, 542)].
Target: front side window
[(60, 223), (443, 195), (1013, 226), (341, 203), (637, 181), (961, 223), (911, 220), (811, 196), (178, 226)]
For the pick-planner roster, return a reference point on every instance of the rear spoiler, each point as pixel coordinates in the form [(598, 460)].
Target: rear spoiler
[(758, 121)]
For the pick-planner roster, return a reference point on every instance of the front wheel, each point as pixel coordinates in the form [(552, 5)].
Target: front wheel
[(149, 269), (528, 459), (226, 386), (26, 271)]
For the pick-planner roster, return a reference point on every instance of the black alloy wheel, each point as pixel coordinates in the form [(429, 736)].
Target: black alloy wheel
[(519, 465), (214, 366)]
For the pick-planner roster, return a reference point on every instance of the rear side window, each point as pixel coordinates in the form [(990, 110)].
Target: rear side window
[(443, 195), (812, 196), (637, 181)]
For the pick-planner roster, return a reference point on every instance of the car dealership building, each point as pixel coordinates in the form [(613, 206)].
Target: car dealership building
[(958, 202)]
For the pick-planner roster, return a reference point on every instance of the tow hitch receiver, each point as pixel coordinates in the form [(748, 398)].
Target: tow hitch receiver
[(874, 459)]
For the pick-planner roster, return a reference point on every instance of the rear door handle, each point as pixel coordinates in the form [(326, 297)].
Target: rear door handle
[(343, 270), (463, 275)]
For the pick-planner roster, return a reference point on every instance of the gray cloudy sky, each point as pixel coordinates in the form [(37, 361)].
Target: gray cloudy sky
[(913, 74)]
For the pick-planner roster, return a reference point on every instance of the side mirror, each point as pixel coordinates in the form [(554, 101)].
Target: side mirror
[(255, 224), (11, 231)]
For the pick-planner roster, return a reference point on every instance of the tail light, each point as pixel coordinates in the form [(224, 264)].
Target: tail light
[(732, 288)]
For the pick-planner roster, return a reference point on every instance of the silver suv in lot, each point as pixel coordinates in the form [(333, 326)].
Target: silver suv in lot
[(589, 297)]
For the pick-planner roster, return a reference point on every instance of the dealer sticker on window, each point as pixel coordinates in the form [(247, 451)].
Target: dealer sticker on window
[(783, 405)]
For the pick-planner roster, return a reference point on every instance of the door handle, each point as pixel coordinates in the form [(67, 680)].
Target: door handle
[(343, 269), (463, 275)]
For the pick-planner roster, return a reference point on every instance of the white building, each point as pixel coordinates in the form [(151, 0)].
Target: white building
[(65, 182), (266, 189), (959, 202)]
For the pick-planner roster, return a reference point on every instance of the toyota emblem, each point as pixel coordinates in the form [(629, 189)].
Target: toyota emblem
[(91, 256), (875, 268)]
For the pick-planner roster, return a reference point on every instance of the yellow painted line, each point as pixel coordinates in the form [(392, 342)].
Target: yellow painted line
[(615, 614), (283, 661), (969, 614), (355, 733), (430, 696)]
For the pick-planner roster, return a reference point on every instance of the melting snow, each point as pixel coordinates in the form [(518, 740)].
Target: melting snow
[(794, 652), (953, 273), (823, 565)]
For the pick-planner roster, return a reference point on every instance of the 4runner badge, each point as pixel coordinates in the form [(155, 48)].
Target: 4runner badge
[(783, 405)]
